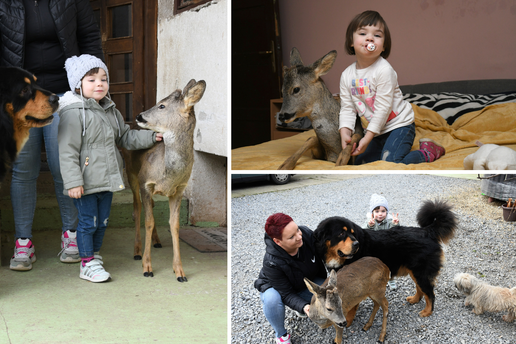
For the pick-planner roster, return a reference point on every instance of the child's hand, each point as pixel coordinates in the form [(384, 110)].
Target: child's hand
[(395, 219), (159, 137), (345, 137), (76, 192), (363, 143), (371, 221)]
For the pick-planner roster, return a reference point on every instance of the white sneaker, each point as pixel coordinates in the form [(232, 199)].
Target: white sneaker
[(24, 255), (93, 271), (69, 251)]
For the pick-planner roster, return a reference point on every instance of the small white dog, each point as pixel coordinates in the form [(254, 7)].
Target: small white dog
[(491, 157), (484, 297)]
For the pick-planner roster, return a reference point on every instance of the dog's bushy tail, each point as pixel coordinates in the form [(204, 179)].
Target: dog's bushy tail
[(438, 220)]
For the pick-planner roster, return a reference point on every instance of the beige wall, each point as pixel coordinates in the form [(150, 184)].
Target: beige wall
[(193, 45), (433, 40)]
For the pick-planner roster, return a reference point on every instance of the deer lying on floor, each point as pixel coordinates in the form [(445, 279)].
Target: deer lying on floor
[(164, 169), (306, 94), (342, 292)]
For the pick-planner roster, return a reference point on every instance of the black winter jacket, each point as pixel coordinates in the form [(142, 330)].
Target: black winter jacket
[(75, 26), (280, 272)]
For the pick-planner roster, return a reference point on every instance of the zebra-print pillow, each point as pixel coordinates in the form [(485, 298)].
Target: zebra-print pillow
[(453, 105)]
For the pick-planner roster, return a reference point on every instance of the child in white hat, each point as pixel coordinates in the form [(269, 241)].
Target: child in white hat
[(379, 218), (90, 129)]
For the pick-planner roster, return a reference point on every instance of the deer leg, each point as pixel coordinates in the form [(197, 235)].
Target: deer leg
[(155, 237), (339, 332), (369, 323), (137, 210), (175, 205), (351, 315), (385, 309), (291, 162), (149, 227), (345, 154)]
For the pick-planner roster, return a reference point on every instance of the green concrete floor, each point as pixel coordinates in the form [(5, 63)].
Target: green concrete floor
[(51, 304)]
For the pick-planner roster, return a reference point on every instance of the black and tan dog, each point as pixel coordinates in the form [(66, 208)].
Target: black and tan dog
[(23, 105), (414, 251)]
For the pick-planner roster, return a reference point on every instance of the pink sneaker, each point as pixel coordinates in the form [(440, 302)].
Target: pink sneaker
[(284, 340), (431, 149), (69, 251), (24, 255)]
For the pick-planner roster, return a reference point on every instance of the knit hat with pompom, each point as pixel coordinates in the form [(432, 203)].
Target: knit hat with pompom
[(377, 201), (77, 67)]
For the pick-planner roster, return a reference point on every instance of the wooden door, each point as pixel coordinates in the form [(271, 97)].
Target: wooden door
[(129, 42), (256, 75)]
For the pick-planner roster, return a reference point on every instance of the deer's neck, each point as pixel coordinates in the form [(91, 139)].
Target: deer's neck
[(178, 149)]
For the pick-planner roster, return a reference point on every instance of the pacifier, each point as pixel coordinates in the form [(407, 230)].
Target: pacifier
[(371, 47)]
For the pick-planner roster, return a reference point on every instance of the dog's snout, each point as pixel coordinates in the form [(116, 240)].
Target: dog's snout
[(355, 244), (53, 99)]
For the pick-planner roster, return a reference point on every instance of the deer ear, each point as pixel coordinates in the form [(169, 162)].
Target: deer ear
[(295, 57), (324, 64), (193, 92), (188, 86), (312, 287), (332, 282)]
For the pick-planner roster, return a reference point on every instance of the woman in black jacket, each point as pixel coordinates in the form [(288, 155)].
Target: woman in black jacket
[(39, 35), (290, 257)]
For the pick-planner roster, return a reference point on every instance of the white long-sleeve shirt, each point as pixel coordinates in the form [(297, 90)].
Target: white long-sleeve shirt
[(373, 93)]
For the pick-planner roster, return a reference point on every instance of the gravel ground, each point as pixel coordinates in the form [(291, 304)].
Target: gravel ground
[(484, 246)]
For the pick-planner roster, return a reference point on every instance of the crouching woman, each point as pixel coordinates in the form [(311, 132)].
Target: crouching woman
[(290, 256)]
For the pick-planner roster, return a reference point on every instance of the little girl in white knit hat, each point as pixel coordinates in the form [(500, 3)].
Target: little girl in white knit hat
[(90, 128), (379, 219)]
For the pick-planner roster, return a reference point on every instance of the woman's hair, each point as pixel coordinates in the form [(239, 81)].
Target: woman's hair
[(368, 18), (275, 225), (92, 71)]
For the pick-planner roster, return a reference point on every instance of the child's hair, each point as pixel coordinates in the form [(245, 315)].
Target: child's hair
[(92, 71), (365, 19)]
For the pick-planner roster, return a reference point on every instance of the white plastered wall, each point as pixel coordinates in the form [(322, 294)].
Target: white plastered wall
[(193, 45)]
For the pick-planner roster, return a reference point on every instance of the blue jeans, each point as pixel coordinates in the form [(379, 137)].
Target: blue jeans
[(274, 308), (94, 212), (25, 176), (393, 146)]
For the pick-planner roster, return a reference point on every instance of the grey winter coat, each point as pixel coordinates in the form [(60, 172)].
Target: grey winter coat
[(93, 160)]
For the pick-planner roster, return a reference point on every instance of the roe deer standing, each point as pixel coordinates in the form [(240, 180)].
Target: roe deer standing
[(336, 301), (306, 94), (164, 169)]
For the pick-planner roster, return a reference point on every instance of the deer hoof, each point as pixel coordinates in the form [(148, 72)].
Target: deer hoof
[(138, 257), (148, 274), (182, 279), (158, 245)]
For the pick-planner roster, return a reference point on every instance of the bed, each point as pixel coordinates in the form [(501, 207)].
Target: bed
[(456, 114)]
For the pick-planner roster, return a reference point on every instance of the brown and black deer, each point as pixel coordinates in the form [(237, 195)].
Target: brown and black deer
[(305, 95), (336, 301), (164, 169)]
